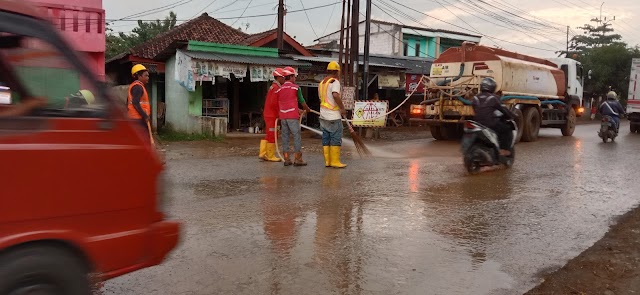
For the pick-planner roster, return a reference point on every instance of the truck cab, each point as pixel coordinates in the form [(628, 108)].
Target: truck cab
[(574, 77), (81, 186)]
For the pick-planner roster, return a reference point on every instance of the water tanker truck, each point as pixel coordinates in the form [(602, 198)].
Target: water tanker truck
[(542, 93)]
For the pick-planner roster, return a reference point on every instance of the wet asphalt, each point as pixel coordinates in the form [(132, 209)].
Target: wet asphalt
[(409, 221)]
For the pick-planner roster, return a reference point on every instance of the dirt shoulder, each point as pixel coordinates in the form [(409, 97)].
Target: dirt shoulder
[(611, 266)]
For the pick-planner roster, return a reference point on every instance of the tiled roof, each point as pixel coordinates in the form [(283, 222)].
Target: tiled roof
[(257, 37), (203, 28)]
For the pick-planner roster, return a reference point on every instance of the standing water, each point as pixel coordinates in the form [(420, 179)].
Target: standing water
[(375, 152)]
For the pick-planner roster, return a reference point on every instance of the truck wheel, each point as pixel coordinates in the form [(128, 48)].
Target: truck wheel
[(570, 127), (451, 132), (531, 125), (634, 128), (519, 122), (43, 270), (436, 132)]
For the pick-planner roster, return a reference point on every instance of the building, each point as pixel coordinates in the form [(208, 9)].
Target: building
[(82, 23), (207, 77), (392, 39)]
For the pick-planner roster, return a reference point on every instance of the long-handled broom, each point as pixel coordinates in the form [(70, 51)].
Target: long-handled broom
[(361, 148)]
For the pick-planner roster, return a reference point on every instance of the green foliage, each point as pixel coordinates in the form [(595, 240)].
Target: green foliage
[(602, 51), (611, 66), (120, 42)]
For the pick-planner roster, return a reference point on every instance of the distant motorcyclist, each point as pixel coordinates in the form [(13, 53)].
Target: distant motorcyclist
[(612, 108), (488, 110)]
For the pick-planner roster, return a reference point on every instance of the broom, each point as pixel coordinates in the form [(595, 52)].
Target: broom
[(153, 142), (357, 141), (361, 148)]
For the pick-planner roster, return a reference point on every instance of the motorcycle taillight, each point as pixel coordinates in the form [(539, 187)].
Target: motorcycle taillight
[(605, 119)]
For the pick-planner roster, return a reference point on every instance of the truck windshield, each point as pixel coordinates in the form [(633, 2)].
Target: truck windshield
[(33, 67)]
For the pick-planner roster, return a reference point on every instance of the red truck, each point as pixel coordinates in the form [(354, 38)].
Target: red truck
[(81, 187)]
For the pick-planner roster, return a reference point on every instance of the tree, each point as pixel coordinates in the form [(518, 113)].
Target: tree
[(611, 66), (145, 31), (594, 36)]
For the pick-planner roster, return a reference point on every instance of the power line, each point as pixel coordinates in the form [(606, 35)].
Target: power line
[(156, 10), (238, 9), (203, 9), (329, 21), (242, 14), (393, 35), (310, 24), (248, 16), (488, 36)]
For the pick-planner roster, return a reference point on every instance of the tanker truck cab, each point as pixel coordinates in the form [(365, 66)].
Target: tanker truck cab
[(81, 187), (541, 93), (574, 79)]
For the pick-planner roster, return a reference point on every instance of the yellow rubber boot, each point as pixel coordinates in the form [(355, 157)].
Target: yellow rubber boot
[(334, 153), (271, 153), (327, 156), (263, 150)]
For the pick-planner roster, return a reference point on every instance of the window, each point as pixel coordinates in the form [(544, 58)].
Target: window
[(417, 49), (32, 67), (579, 73), (406, 48)]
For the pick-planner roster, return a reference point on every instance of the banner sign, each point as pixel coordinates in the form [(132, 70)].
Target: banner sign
[(412, 82), (370, 113)]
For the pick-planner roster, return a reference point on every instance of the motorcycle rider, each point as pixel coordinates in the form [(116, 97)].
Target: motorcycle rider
[(612, 108), (488, 110)]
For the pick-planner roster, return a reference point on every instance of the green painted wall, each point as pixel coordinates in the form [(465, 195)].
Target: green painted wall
[(54, 84), (424, 49), (195, 102), (432, 46)]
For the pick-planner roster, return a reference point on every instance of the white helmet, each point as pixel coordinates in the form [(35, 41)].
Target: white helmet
[(612, 95)]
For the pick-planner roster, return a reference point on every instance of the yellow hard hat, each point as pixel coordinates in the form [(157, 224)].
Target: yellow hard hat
[(137, 68), (88, 96), (333, 66)]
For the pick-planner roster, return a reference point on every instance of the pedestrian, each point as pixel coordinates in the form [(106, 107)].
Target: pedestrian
[(270, 114), (331, 112), (138, 106), (290, 119)]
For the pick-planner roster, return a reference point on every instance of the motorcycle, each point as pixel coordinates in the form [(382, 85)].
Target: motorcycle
[(481, 148), (608, 129)]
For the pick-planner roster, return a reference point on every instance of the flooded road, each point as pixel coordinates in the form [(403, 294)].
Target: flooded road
[(410, 222)]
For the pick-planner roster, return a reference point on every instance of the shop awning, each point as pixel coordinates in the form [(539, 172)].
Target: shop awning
[(244, 59)]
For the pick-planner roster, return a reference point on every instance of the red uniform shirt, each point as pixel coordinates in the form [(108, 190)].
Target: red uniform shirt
[(271, 103), (288, 101)]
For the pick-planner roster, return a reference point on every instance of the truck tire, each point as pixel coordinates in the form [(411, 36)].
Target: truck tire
[(531, 125), (634, 128), (43, 269), (570, 126), (451, 131), (436, 132), (519, 122)]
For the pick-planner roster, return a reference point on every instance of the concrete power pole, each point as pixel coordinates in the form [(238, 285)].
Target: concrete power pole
[(355, 43), (281, 25), (567, 55), (367, 40)]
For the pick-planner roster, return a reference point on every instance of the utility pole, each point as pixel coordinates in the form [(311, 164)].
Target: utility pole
[(281, 25), (367, 40), (567, 55), (355, 43)]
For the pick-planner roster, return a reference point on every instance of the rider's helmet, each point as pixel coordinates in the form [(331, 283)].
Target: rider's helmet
[(488, 85), (612, 95)]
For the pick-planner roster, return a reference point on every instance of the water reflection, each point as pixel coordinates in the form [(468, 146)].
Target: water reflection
[(280, 213), (469, 211), (338, 236), (414, 176)]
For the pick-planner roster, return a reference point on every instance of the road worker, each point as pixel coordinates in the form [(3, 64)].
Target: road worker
[(270, 114), (331, 113), (290, 119), (138, 105)]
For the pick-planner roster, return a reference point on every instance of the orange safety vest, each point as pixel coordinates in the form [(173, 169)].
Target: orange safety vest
[(144, 102), (322, 92)]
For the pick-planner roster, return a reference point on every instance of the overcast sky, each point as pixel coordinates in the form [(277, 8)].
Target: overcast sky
[(542, 38)]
